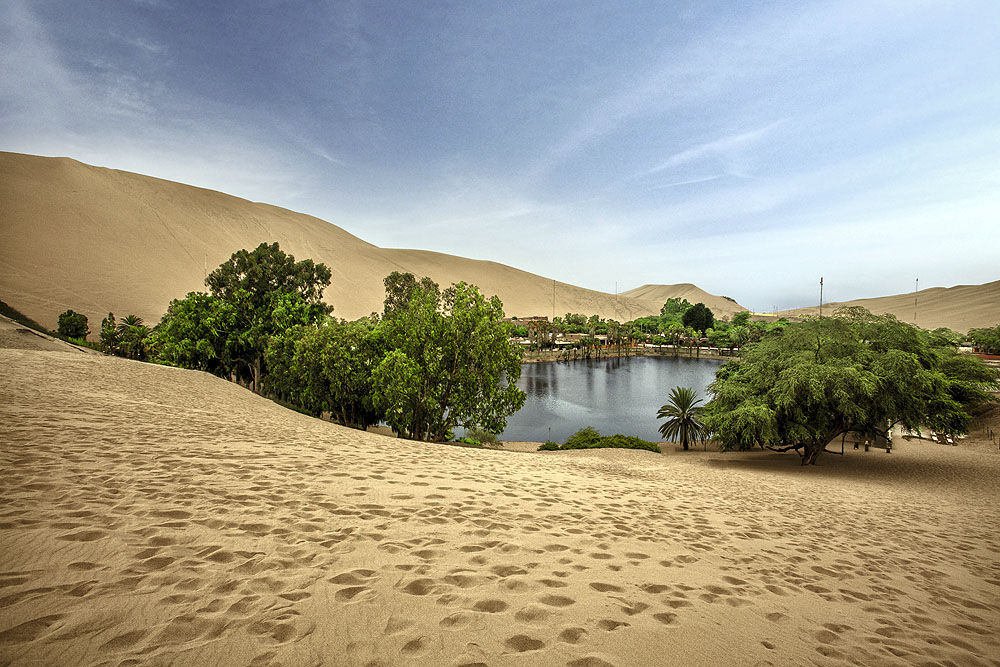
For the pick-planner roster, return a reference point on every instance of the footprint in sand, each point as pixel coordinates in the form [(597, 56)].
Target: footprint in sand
[(523, 644), (490, 606), (572, 635), (589, 661), (556, 600)]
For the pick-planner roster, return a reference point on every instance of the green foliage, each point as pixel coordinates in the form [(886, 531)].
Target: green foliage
[(674, 309), (451, 364), (253, 296), (549, 446), (800, 387), (682, 413), (986, 339), (400, 289), (589, 438), (328, 369), (699, 317), (741, 319), (483, 436), (73, 325), (131, 337), (194, 333), (469, 441)]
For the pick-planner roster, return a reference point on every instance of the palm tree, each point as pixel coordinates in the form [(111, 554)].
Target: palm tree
[(132, 334), (681, 413)]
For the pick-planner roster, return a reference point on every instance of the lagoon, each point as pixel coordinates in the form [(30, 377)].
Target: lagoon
[(614, 395)]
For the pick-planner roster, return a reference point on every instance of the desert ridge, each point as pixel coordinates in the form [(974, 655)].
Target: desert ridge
[(95, 240), (960, 308), (154, 515)]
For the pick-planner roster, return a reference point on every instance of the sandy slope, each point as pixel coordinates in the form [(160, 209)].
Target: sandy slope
[(151, 515), (656, 295), (98, 240), (961, 307)]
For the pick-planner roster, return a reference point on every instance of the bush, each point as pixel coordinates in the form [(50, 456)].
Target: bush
[(482, 436), (590, 438), (73, 325), (469, 441), (582, 439)]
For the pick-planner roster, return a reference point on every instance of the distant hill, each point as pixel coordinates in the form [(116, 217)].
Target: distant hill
[(98, 240), (961, 308), (656, 295)]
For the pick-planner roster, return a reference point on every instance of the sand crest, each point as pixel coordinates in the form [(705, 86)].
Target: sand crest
[(151, 515)]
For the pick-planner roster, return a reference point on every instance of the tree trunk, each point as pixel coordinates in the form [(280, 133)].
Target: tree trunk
[(812, 453)]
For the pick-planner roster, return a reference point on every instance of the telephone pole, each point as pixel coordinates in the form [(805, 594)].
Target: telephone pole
[(821, 297), (916, 285)]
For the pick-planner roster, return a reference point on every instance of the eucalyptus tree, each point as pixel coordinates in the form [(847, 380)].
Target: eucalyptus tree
[(450, 362)]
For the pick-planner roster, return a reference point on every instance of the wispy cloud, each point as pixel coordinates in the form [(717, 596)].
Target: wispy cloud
[(721, 146)]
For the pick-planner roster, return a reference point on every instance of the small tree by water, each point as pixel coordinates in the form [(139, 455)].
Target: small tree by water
[(682, 414)]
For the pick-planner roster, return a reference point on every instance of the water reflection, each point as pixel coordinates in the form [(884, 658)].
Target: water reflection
[(565, 397)]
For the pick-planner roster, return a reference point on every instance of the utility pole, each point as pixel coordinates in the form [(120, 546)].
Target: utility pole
[(821, 297), (553, 299), (916, 285)]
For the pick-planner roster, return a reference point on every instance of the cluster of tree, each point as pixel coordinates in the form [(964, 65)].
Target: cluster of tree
[(801, 387), (73, 325), (129, 338), (436, 360), (679, 323), (433, 361), (252, 297), (986, 340)]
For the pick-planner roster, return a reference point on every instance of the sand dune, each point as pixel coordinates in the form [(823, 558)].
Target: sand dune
[(98, 240), (961, 308), (656, 295), (151, 515)]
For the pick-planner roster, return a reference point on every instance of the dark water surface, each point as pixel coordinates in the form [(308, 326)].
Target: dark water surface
[(612, 395)]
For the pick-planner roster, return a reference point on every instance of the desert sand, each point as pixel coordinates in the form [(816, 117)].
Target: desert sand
[(97, 240), (960, 308), (155, 516)]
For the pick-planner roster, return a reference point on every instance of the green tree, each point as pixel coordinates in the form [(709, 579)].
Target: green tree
[(267, 291), (400, 288), (801, 387), (682, 414), (674, 309), (193, 334), (741, 319), (986, 339), (328, 369), (699, 317), (73, 325), (451, 364), (132, 337), (110, 338)]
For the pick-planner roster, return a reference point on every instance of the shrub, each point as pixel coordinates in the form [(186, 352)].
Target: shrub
[(483, 436), (73, 325), (469, 441), (589, 438), (582, 439), (549, 446)]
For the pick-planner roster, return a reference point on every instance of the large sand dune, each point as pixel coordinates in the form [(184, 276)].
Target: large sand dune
[(157, 516), (961, 307), (98, 240)]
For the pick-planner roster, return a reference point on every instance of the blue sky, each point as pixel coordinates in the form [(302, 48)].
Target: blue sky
[(749, 148)]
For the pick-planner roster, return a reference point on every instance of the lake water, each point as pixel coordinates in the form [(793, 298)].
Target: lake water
[(612, 395)]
